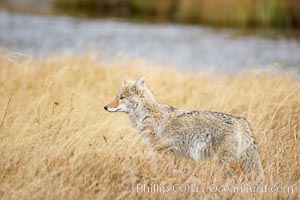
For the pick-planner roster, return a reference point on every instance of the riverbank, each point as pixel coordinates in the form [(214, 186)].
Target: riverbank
[(247, 13), (234, 13), (192, 48), (57, 142)]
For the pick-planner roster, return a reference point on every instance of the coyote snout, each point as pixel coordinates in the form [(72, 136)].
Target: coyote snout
[(192, 134)]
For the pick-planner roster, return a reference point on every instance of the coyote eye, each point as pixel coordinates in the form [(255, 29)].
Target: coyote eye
[(122, 98)]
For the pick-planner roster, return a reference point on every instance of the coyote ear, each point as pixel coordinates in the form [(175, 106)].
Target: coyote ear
[(123, 81), (141, 82)]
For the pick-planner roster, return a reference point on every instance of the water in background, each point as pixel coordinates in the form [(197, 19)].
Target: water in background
[(187, 47)]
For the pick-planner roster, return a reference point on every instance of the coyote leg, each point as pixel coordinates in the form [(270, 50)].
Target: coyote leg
[(225, 160)]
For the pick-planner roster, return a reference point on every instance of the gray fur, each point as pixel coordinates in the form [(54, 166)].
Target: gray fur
[(197, 135)]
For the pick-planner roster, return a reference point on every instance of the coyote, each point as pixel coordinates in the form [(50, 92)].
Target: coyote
[(191, 134)]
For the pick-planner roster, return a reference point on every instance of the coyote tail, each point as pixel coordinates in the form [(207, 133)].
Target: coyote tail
[(249, 158)]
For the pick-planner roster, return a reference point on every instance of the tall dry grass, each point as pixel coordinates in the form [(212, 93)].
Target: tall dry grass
[(57, 142)]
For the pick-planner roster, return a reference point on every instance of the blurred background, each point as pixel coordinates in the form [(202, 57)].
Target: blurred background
[(191, 34)]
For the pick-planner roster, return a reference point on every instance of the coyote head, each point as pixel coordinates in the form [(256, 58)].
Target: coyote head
[(129, 96)]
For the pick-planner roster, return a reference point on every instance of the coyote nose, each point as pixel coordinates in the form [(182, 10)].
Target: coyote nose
[(105, 107)]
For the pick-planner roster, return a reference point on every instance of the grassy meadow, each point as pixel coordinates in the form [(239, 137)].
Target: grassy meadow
[(57, 142)]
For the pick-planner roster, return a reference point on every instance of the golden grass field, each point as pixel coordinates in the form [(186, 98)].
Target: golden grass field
[(57, 142)]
